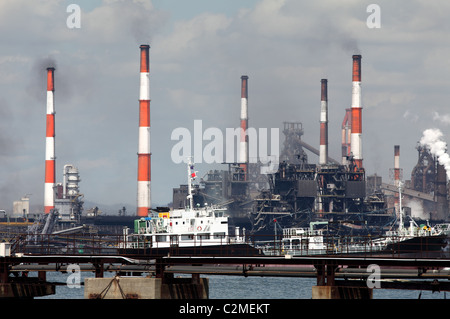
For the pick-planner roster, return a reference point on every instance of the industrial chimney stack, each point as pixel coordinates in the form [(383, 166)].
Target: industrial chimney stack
[(323, 150), (346, 135), (243, 151), (396, 165), (356, 135), (144, 163), (49, 195)]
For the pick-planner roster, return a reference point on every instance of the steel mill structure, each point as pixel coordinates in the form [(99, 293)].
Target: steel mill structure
[(295, 193), (299, 192)]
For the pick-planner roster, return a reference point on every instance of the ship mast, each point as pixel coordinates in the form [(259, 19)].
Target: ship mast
[(191, 177), (400, 184)]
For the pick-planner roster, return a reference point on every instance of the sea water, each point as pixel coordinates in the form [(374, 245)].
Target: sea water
[(240, 287)]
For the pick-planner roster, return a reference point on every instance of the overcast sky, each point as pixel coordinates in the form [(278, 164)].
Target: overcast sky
[(199, 50)]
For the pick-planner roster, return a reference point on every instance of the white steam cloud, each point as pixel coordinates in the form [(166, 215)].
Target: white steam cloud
[(445, 119), (432, 138), (416, 209)]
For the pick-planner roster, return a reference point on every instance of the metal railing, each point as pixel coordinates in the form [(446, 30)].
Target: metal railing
[(393, 246), (95, 244)]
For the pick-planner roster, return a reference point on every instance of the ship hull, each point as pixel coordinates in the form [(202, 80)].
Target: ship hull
[(231, 250), (425, 246), (414, 247)]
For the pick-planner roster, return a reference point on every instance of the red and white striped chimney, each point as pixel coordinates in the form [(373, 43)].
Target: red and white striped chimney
[(323, 148), (396, 165), (346, 135), (144, 163), (356, 137), (49, 195), (243, 146)]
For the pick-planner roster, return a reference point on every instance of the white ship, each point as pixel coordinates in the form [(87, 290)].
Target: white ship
[(412, 241), (190, 231), (297, 242)]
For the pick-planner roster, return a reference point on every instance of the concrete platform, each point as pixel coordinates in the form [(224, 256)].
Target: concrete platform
[(146, 288)]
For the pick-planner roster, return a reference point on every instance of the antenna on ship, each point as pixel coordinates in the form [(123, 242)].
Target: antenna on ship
[(191, 176), (400, 184)]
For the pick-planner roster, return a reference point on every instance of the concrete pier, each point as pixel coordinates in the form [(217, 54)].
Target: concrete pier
[(341, 292), (146, 288), (26, 289)]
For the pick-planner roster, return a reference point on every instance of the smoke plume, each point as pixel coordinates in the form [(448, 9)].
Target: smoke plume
[(37, 84), (432, 138), (417, 210)]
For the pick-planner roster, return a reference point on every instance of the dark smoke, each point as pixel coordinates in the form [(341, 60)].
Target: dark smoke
[(37, 85), (332, 35), (7, 141), (64, 79), (350, 45), (141, 19)]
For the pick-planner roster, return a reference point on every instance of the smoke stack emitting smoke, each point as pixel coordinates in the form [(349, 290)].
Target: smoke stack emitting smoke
[(49, 196), (432, 138), (356, 135)]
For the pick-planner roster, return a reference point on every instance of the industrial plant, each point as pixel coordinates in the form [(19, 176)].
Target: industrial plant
[(287, 191), (337, 192)]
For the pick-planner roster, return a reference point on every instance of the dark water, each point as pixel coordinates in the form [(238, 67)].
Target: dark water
[(238, 287)]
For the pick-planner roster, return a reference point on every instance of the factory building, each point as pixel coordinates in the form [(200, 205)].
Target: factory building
[(335, 191)]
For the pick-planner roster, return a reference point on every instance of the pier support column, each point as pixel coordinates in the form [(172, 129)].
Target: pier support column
[(4, 271), (328, 288), (98, 271), (22, 287)]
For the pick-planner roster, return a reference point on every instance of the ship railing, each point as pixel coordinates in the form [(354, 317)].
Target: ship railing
[(69, 244), (389, 246), (105, 244), (98, 244)]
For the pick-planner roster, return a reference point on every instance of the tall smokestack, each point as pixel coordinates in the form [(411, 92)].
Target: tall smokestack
[(49, 195), (323, 150), (356, 137), (243, 153), (396, 165), (144, 163), (346, 135)]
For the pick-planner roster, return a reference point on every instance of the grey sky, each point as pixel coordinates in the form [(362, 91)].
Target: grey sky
[(199, 50)]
